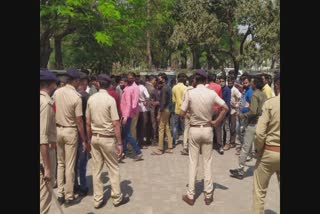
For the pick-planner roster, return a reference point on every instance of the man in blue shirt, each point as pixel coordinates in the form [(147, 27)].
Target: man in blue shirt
[(244, 106)]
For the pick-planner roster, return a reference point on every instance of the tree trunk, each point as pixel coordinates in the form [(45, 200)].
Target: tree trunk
[(210, 60), (273, 61), (58, 53), (184, 60), (236, 67), (45, 51), (148, 37), (195, 58)]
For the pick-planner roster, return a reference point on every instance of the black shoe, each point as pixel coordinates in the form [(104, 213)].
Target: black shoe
[(61, 200), (237, 173), (72, 202), (123, 201), (103, 202), (84, 192), (221, 152)]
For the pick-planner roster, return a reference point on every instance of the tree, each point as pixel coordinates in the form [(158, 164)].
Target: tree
[(195, 27)]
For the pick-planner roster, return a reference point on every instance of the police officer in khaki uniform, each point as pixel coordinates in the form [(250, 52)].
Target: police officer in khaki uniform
[(47, 136), (185, 150), (267, 144), (103, 128), (199, 102), (68, 118)]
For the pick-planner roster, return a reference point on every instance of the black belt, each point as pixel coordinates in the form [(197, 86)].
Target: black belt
[(66, 126), (102, 135)]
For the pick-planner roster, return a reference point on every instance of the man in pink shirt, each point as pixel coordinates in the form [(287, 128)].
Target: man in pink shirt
[(135, 104), (217, 88), (129, 105)]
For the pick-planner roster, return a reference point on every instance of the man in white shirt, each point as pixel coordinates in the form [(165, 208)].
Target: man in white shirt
[(144, 116), (235, 98)]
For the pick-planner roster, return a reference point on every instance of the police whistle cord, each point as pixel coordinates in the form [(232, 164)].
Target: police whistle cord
[(54, 197)]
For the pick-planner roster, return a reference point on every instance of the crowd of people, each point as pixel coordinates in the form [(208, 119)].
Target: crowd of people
[(110, 118)]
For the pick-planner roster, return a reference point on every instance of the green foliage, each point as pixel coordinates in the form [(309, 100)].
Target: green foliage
[(97, 34)]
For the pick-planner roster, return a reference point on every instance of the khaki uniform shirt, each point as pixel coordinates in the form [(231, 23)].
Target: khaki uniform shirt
[(48, 132), (199, 102), (268, 127), (68, 105), (102, 110)]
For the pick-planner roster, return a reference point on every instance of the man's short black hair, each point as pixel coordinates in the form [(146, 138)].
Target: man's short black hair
[(151, 77), (104, 84), (199, 78), (212, 77), (266, 76), (245, 76), (231, 78), (182, 77), (223, 77), (163, 76), (131, 74), (258, 82)]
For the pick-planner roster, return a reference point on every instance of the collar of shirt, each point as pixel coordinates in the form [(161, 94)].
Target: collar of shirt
[(44, 93), (200, 86), (71, 86), (102, 90)]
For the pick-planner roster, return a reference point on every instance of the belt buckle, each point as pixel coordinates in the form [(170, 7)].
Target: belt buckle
[(201, 126)]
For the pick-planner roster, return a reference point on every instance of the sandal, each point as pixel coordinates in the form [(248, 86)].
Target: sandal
[(158, 152)]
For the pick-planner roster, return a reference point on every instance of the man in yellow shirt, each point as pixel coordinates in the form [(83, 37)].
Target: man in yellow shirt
[(177, 95), (266, 88)]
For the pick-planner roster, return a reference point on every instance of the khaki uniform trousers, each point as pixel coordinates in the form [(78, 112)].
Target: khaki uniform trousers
[(45, 197), (53, 165), (200, 137), (264, 169), (164, 127), (133, 126), (186, 132), (67, 144), (103, 150)]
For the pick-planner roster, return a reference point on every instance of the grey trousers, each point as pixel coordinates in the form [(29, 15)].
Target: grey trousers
[(247, 144)]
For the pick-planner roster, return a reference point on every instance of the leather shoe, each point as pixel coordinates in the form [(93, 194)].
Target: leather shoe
[(123, 201), (188, 200), (208, 201), (61, 200), (101, 204)]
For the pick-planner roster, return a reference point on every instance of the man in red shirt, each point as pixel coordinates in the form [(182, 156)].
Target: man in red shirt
[(112, 92), (217, 88)]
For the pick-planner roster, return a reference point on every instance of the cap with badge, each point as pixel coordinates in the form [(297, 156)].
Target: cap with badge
[(45, 74), (104, 77), (73, 73), (202, 73)]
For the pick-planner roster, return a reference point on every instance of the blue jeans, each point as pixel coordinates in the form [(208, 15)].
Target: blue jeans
[(178, 123), (126, 136), (81, 165)]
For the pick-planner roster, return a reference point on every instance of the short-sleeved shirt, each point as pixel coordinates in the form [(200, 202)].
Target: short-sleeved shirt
[(177, 94), (235, 98), (48, 132), (143, 96), (217, 88), (102, 110), (268, 126), (199, 102), (267, 91), (68, 105)]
